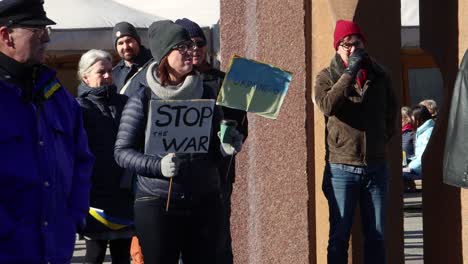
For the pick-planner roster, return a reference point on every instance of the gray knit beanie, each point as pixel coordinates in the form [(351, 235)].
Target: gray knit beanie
[(123, 29), (163, 36)]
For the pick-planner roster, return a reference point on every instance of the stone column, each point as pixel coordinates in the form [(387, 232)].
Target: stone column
[(270, 221)]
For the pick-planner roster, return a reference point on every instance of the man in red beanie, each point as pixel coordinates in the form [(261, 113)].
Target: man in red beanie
[(355, 95)]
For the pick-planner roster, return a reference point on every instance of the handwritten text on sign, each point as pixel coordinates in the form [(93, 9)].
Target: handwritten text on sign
[(180, 126)]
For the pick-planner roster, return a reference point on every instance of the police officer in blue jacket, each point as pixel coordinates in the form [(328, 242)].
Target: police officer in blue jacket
[(45, 163)]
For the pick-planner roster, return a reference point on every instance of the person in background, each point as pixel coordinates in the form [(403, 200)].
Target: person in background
[(422, 120), (407, 142), (431, 105), (190, 228), (355, 94), (133, 55), (213, 78), (407, 132), (111, 192), (45, 162)]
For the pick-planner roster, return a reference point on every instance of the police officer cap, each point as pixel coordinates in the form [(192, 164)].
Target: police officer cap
[(24, 13)]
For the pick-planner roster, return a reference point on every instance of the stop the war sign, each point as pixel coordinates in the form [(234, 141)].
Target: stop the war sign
[(179, 126)]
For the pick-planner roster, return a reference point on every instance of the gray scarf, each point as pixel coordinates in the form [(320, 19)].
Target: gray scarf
[(190, 88)]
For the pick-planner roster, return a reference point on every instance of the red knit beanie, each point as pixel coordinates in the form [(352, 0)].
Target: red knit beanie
[(345, 28)]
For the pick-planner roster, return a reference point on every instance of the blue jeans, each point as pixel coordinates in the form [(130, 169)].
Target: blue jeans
[(344, 187)]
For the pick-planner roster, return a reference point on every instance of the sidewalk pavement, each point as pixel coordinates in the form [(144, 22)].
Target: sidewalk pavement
[(413, 233), (80, 249), (413, 228)]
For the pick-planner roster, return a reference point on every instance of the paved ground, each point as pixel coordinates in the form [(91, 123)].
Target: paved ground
[(80, 249), (413, 228), (413, 233)]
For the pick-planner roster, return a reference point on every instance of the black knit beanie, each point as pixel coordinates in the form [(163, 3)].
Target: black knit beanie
[(123, 29), (193, 28), (163, 36)]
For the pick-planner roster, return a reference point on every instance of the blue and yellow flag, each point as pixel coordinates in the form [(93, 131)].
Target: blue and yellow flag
[(113, 223), (254, 87)]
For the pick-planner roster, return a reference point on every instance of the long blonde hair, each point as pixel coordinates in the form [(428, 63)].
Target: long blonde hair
[(405, 115)]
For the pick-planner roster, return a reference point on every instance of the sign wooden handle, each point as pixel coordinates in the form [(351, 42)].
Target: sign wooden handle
[(169, 195)]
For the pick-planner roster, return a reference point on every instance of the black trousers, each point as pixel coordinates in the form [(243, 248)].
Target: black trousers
[(190, 227), (119, 250)]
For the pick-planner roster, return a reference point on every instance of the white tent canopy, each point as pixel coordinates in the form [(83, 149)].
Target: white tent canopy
[(87, 24), (409, 13), (205, 12), (409, 23)]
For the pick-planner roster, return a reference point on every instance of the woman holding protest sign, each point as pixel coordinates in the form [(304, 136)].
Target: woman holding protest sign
[(110, 217), (178, 192)]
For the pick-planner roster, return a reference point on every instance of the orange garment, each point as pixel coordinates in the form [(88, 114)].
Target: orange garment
[(135, 251)]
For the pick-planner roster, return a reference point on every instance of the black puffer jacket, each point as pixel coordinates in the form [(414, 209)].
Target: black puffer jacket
[(102, 108), (198, 173)]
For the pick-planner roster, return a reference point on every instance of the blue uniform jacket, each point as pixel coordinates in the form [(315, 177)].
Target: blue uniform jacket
[(45, 168)]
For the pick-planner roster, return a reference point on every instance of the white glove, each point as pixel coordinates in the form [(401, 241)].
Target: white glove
[(228, 149), (169, 165)]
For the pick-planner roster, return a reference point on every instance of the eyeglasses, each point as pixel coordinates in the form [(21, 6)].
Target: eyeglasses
[(348, 46), (199, 43), (39, 31), (185, 47)]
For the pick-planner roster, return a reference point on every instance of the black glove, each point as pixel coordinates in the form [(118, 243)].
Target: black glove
[(355, 61)]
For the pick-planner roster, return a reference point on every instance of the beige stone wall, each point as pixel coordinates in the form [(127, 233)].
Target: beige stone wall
[(323, 23), (381, 24)]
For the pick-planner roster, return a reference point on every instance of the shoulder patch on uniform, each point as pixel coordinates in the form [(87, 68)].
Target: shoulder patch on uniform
[(51, 88)]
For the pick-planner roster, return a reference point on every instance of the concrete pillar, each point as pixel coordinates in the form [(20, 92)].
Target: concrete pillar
[(444, 35), (270, 220), (279, 214)]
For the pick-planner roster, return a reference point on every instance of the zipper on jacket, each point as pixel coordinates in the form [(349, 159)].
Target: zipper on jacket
[(364, 142)]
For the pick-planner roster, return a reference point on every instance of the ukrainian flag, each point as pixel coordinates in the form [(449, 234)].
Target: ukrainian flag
[(51, 88), (113, 223), (254, 87)]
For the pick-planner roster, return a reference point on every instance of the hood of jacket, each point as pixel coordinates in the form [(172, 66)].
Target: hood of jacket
[(104, 91)]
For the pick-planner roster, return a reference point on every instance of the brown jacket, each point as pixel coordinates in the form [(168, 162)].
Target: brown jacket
[(359, 121)]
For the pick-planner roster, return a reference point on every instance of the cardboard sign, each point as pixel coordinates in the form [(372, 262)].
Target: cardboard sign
[(254, 87), (179, 126)]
